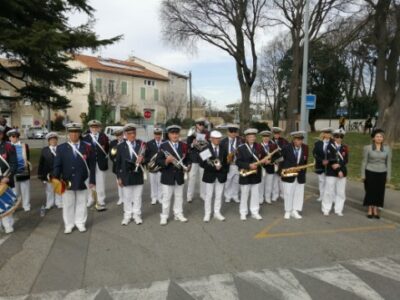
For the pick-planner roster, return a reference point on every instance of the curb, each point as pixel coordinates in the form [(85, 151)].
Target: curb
[(354, 203)]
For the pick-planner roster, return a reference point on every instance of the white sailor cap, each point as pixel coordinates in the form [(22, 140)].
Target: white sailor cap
[(265, 133), (339, 131), (13, 131), (216, 134), (129, 127), (157, 130), (200, 120), (118, 131), (94, 123), (276, 129), (73, 126), (233, 126), (250, 131), (297, 134), (174, 128), (327, 130), (51, 135)]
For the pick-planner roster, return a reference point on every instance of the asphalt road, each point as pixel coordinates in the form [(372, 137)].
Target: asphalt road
[(349, 257)]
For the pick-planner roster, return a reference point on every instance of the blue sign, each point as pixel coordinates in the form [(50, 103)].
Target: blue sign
[(311, 101), (342, 111)]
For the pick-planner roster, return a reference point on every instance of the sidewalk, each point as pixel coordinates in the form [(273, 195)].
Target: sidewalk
[(355, 197)]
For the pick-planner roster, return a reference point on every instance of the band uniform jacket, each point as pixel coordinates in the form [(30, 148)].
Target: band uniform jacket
[(7, 152), (270, 168), (280, 142), (101, 158), (69, 166), (125, 164), (225, 144), (193, 152), (171, 175), (210, 172), (289, 161), (152, 149), (320, 155), (335, 158), (243, 160), (46, 163)]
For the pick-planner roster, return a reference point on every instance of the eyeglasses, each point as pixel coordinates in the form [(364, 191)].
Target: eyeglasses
[(13, 136), (338, 136), (200, 124)]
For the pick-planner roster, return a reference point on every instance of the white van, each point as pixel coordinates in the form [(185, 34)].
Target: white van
[(109, 131)]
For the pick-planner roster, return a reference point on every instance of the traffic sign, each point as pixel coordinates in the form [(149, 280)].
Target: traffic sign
[(311, 101), (147, 114)]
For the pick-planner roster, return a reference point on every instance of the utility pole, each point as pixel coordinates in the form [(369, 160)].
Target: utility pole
[(190, 96), (303, 112), (48, 118)]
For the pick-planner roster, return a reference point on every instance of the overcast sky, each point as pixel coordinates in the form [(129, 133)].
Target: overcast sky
[(214, 75)]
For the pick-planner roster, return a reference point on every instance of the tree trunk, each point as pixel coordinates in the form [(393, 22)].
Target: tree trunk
[(293, 101), (245, 118), (389, 118)]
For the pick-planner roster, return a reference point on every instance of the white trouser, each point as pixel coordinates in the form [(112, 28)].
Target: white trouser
[(132, 196), (74, 208), (277, 188), (219, 188), (245, 190), (100, 188), (120, 195), (266, 188), (293, 196), (22, 189), (155, 186), (167, 192), (194, 171), (335, 193), (321, 185), (52, 197), (232, 183)]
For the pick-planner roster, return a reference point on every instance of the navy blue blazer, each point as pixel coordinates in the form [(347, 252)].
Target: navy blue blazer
[(71, 168), (335, 158), (46, 163), (101, 158), (289, 160), (210, 172), (7, 151), (243, 160), (125, 165)]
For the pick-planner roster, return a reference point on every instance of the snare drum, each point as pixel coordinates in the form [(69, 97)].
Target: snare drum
[(8, 201)]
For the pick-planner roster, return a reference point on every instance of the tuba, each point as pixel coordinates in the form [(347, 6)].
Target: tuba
[(152, 166), (294, 171), (245, 173)]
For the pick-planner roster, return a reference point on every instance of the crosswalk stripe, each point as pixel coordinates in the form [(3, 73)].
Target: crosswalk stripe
[(382, 266), (282, 283), (342, 278), (158, 290)]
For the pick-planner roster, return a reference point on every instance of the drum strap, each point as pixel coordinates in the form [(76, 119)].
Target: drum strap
[(6, 163), (251, 152), (81, 156), (98, 144)]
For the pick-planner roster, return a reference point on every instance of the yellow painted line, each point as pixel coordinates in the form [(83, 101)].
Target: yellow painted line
[(264, 234), (265, 231)]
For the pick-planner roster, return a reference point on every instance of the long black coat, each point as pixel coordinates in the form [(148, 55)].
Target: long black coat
[(46, 163), (125, 164), (101, 158), (243, 160), (7, 151), (170, 175), (289, 160), (210, 172)]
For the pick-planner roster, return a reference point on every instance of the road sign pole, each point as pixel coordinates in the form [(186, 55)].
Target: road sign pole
[(303, 112)]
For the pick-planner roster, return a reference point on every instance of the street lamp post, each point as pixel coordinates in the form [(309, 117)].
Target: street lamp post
[(304, 112)]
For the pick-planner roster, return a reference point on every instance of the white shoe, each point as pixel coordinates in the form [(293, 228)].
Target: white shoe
[(181, 218), (326, 214), (287, 215), (340, 214), (90, 203), (153, 201), (295, 215), (236, 200), (125, 221), (243, 217), (119, 202), (8, 230), (219, 217), (68, 230), (27, 209), (256, 216), (163, 221), (207, 218), (268, 201), (81, 228), (138, 219), (189, 200)]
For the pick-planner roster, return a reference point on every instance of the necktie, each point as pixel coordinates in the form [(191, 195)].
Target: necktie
[(158, 145), (176, 146), (231, 147), (296, 153), (76, 149), (216, 151)]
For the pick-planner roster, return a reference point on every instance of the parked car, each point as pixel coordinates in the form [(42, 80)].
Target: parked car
[(36, 133), (109, 131)]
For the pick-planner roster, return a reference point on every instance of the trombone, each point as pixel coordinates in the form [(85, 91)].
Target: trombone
[(245, 173)]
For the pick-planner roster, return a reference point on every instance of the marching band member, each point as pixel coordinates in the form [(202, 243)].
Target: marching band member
[(199, 134), (119, 138), (75, 164), (321, 161), (248, 154), (173, 158), (129, 161), (152, 149), (46, 164), (231, 143), (100, 144), (294, 154), (335, 182), (280, 142), (266, 190), (23, 175), (8, 167), (215, 173)]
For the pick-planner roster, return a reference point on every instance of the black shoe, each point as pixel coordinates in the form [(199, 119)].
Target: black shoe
[(377, 217), (370, 216)]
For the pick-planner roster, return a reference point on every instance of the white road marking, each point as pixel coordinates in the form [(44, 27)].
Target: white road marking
[(342, 278), (382, 266), (282, 282), (3, 239), (212, 287), (158, 290)]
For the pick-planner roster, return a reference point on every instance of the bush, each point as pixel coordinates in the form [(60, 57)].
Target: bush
[(173, 121), (187, 123), (58, 123), (260, 126)]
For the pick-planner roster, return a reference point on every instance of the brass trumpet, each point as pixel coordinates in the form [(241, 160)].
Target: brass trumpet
[(113, 151), (294, 171), (245, 173), (177, 163), (216, 163)]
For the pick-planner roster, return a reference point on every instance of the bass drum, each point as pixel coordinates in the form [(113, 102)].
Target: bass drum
[(8, 201)]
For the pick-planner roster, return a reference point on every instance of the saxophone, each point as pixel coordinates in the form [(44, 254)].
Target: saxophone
[(294, 171), (245, 173)]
